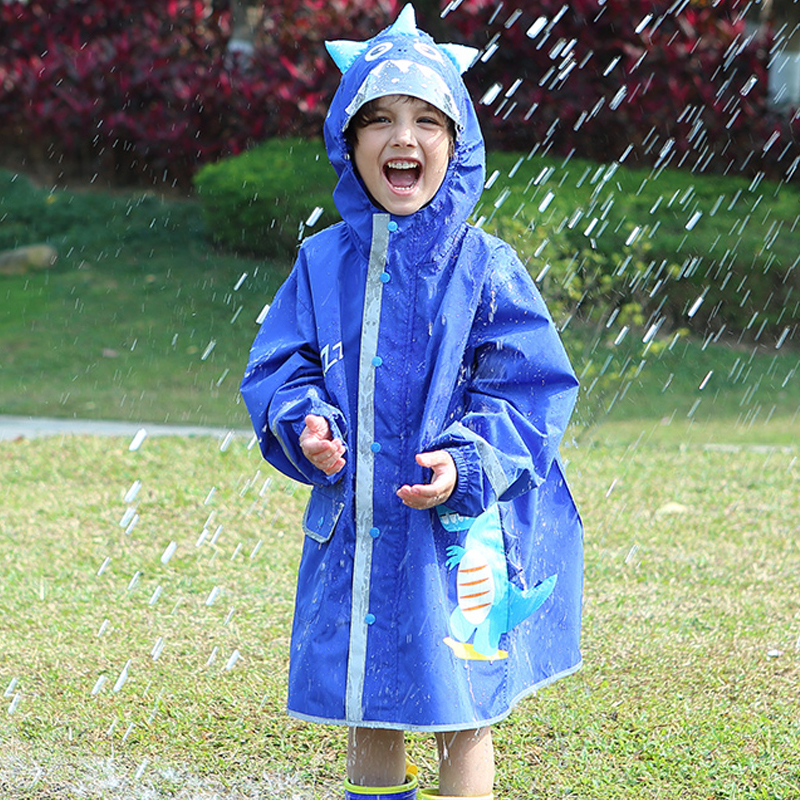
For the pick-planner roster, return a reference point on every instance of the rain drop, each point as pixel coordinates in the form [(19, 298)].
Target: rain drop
[(169, 552), (138, 439), (207, 352), (491, 94), (131, 494), (643, 24), (14, 705), (546, 202), (694, 220), (314, 216), (158, 647), (536, 28), (262, 314), (123, 677), (213, 596), (231, 663), (696, 306)]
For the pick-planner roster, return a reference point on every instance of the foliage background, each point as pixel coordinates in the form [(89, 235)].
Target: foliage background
[(139, 92)]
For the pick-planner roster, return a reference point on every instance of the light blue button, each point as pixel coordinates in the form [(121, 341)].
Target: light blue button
[(375, 447), (392, 226), (377, 361), (374, 532), (369, 619), (385, 277)]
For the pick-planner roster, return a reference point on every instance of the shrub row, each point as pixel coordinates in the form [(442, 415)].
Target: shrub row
[(611, 246), (265, 200), (128, 87)]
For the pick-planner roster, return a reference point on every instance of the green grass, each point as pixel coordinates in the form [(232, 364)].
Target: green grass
[(140, 318), (143, 319), (690, 629), (683, 458)]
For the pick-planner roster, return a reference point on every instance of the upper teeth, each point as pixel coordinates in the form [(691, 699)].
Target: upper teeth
[(402, 165)]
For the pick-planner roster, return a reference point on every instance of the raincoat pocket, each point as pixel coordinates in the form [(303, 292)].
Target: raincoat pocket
[(322, 512)]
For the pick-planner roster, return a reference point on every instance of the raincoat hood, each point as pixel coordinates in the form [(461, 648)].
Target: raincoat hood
[(405, 60)]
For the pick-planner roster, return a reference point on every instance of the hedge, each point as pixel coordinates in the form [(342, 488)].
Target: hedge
[(134, 91)]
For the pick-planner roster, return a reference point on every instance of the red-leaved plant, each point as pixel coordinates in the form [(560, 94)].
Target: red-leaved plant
[(134, 89)]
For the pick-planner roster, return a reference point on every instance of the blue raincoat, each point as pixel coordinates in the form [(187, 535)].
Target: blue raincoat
[(410, 334)]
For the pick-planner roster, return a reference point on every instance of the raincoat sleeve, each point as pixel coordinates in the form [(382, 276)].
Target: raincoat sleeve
[(284, 381), (520, 395)]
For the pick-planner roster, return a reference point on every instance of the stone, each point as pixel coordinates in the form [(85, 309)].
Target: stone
[(32, 258)]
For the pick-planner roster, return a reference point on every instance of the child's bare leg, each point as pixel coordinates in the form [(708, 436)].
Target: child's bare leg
[(466, 763), (376, 757)]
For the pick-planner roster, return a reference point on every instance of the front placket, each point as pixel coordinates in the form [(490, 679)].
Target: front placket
[(367, 448)]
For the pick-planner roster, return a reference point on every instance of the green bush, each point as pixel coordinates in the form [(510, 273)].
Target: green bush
[(261, 201), (91, 225), (611, 246), (666, 248)]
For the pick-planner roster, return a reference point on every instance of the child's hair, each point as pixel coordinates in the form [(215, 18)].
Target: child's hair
[(362, 117)]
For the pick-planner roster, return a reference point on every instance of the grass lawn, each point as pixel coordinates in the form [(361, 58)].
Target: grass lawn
[(146, 656), (146, 594)]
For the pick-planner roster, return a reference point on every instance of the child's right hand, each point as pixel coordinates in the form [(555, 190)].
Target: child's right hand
[(319, 446)]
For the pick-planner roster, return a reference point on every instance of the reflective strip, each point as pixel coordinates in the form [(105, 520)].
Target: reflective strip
[(365, 458)]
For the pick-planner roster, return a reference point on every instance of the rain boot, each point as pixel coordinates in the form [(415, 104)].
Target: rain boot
[(406, 791), (429, 794)]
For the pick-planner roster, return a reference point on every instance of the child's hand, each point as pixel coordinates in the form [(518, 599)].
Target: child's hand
[(319, 446), (428, 495)]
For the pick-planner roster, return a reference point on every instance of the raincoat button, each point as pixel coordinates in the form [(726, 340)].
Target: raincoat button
[(369, 619), (374, 532), (376, 447), (377, 361), (385, 277), (392, 226)]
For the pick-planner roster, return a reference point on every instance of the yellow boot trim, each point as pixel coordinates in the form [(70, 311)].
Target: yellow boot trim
[(429, 794), (411, 783)]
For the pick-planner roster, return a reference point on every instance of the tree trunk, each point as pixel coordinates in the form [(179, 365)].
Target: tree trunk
[(786, 13), (242, 33)]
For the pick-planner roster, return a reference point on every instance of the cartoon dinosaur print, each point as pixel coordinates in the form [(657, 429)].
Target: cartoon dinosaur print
[(489, 605)]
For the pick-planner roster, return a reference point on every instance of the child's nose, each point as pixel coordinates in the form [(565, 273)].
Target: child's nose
[(404, 134)]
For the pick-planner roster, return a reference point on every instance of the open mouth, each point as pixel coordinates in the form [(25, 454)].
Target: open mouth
[(402, 175)]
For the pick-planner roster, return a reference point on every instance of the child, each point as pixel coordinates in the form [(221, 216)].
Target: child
[(409, 372)]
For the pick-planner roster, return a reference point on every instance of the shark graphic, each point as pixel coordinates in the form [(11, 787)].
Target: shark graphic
[(489, 605)]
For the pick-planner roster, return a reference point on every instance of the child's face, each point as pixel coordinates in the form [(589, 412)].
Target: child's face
[(402, 150)]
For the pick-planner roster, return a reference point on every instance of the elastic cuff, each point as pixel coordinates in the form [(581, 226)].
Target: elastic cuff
[(429, 794), (461, 490)]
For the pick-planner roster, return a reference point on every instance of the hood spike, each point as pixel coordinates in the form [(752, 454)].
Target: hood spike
[(406, 22), (344, 52), (461, 55)]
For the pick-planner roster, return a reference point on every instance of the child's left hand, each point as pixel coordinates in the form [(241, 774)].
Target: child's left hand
[(428, 495)]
